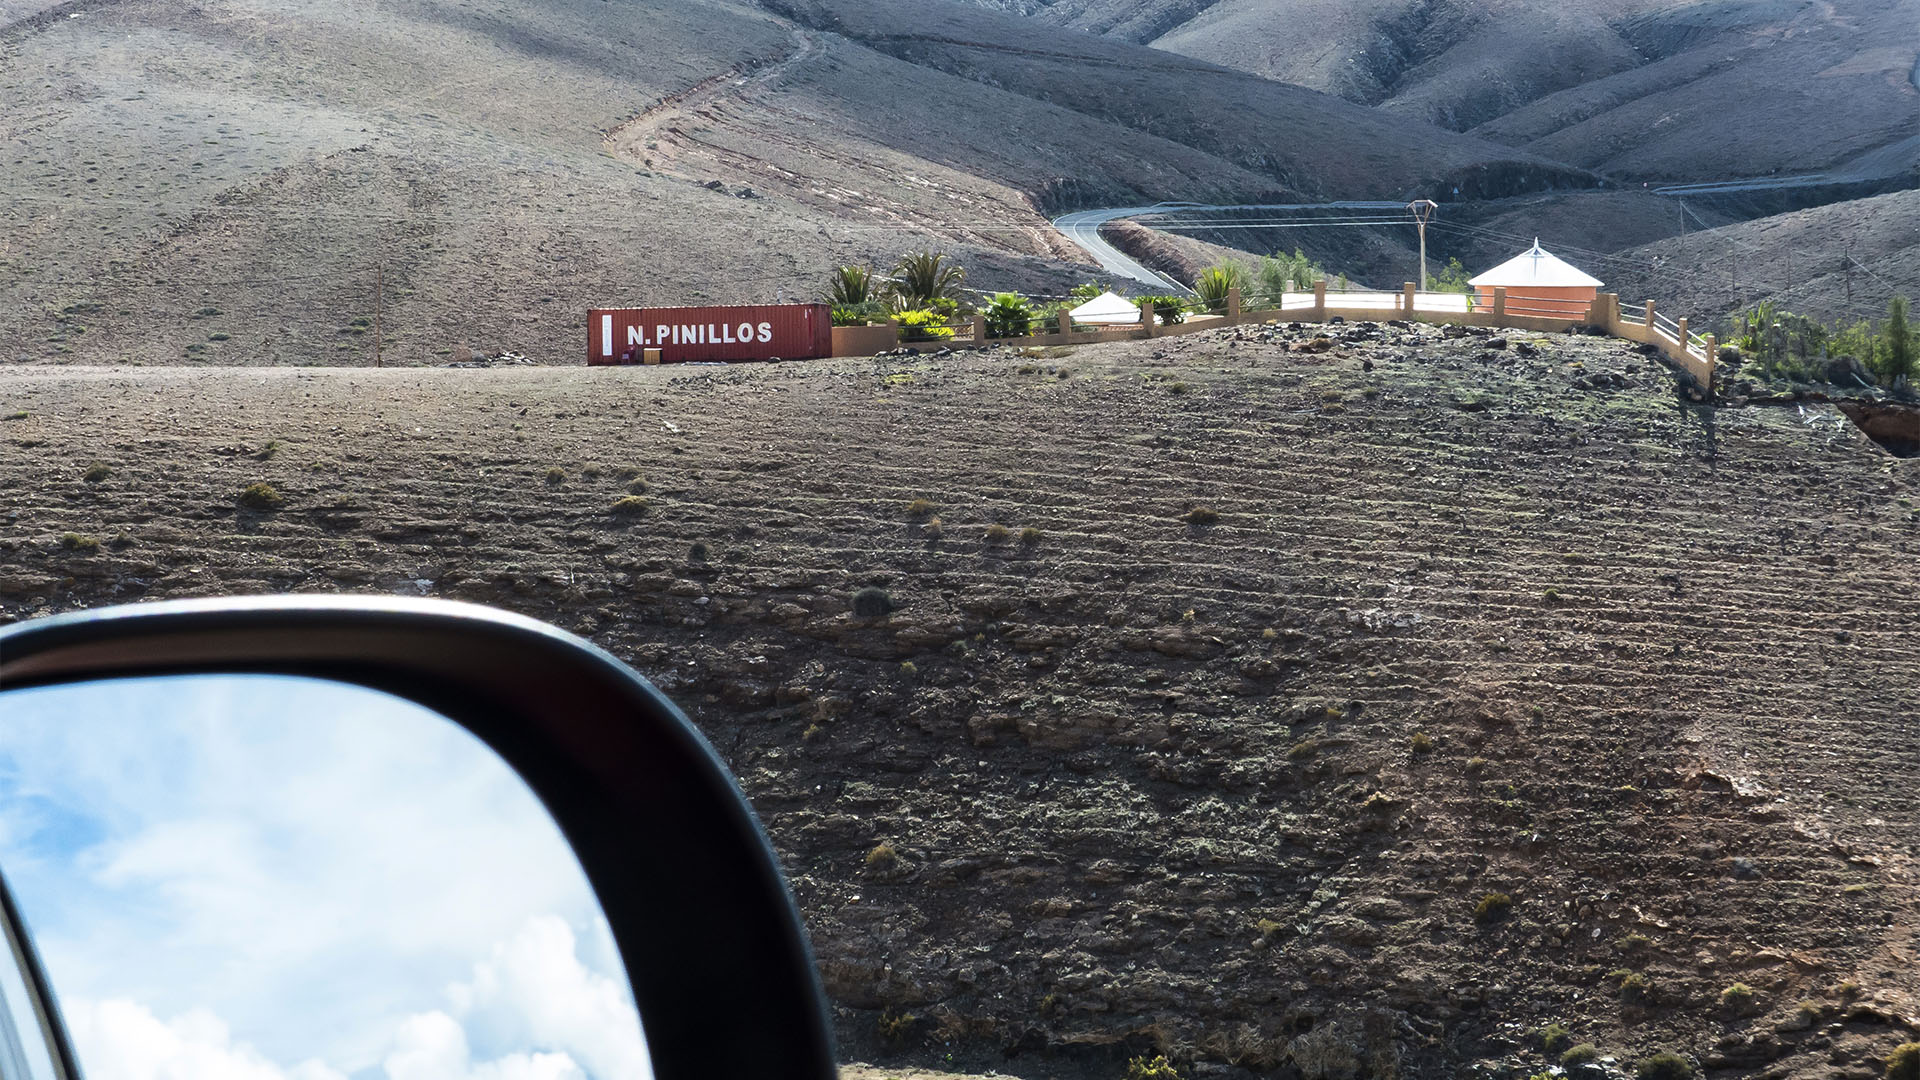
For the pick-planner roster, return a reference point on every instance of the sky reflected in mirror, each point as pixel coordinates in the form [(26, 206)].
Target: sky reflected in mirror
[(273, 878)]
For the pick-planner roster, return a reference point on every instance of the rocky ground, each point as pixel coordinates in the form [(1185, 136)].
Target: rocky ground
[(1294, 657)]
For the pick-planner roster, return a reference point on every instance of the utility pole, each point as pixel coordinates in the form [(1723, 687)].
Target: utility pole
[(379, 286), (1422, 210)]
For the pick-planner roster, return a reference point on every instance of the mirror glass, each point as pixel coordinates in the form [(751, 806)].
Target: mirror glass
[(277, 878)]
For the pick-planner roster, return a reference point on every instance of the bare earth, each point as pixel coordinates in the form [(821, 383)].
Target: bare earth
[(1145, 781)]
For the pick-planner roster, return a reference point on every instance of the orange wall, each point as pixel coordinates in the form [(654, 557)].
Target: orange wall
[(1569, 301)]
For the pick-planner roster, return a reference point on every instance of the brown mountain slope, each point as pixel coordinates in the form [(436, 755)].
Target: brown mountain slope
[(1145, 784), (1310, 143), (1812, 91), (1654, 88), (1839, 263), (245, 181)]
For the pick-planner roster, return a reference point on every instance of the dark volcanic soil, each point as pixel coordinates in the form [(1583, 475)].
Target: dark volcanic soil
[(1149, 777)]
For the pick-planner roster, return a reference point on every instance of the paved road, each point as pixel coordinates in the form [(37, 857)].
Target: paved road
[(1083, 228)]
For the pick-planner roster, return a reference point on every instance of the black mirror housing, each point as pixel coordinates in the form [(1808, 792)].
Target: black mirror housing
[(712, 942)]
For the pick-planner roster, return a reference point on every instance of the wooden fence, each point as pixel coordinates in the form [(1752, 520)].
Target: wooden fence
[(1694, 353)]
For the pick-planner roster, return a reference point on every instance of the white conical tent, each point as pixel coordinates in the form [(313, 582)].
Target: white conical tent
[(1536, 267), (1106, 309)]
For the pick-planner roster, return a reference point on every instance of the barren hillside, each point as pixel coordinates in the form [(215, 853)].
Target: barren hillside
[(1634, 88), (1838, 263), (247, 181), (1234, 787)]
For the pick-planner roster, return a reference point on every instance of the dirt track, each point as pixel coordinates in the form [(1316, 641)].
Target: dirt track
[(1147, 780)]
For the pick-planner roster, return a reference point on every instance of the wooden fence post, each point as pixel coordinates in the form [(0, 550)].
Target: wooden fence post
[(1499, 303), (1406, 299), (1233, 303), (1653, 332), (1066, 322), (1684, 345), (979, 328), (1147, 316), (1320, 300)]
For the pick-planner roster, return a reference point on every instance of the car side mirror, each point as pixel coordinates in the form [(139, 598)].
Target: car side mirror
[(707, 932)]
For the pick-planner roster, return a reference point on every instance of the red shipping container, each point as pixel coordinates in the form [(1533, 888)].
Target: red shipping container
[(758, 332)]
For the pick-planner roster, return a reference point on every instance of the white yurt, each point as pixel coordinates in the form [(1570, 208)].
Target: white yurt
[(1107, 309)]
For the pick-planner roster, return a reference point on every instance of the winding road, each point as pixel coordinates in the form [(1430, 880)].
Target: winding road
[(1083, 228)]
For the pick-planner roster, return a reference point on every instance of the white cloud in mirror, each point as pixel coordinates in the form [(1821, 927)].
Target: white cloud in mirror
[(301, 875)]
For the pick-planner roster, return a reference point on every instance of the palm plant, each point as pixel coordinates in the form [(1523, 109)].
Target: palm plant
[(925, 277), (1215, 282), (851, 287)]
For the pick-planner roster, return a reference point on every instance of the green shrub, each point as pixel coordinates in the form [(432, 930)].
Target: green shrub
[(921, 507), (923, 325), (1451, 278), (1664, 1065), (1203, 515), (698, 552), (1897, 341), (629, 505), (261, 496), (893, 1026), (1283, 272), (872, 602), (1582, 1054), (1171, 310), (1009, 315), (97, 472), (1737, 999), (1904, 1062), (1151, 1068), (882, 857), (1031, 536), (74, 541), (556, 476), (1492, 907), (1421, 743), (1635, 988), (1857, 341), (998, 533), (1554, 1037)]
